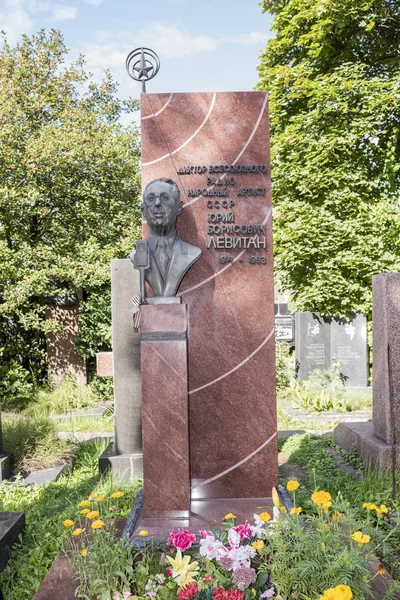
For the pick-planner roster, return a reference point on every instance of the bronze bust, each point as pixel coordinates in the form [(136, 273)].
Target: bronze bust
[(165, 258)]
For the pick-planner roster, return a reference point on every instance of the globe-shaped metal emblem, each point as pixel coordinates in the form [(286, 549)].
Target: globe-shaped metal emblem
[(142, 64)]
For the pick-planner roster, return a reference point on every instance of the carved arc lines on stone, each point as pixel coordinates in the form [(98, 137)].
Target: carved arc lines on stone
[(238, 464), (239, 156), (223, 268), (159, 111), (202, 387), (152, 162)]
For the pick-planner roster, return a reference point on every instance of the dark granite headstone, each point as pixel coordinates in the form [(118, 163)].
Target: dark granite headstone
[(312, 342), (320, 342), (11, 525), (349, 348)]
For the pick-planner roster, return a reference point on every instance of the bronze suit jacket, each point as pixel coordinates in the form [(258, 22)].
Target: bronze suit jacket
[(183, 256)]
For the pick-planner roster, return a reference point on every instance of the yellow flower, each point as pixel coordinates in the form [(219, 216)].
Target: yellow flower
[(85, 511), (68, 523), (258, 545), (292, 485), (99, 498), (382, 510), (117, 495), (77, 532), (283, 509), (275, 498), (336, 515), (98, 524), (265, 517), (182, 569), (320, 498), (84, 503), (229, 516), (93, 495), (84, 551), (143, 533), (381, 570), (369, 506), (326, 506), (92, 514), (340, 592), (361, 538), (296, 511)]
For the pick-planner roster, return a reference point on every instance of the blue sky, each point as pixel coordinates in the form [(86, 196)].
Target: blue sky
[(204, 45)]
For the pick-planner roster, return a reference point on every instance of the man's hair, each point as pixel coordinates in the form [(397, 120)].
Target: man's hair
[(175, 189)]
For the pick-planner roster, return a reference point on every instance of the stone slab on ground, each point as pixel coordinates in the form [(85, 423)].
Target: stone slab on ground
[(326, 417), (360, 437), (123, 466), (85, 436), (290, 470), (96, 411), (11, 525), (47, 475), (59, 583)]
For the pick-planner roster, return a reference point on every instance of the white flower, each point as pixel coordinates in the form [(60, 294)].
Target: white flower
[(276, 513), (209, 547), (233, 538), (241, 556)]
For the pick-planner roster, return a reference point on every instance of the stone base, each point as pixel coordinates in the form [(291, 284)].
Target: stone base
[(123, 466), (204, 514), (6, 463), (11, 525), (360, 437)]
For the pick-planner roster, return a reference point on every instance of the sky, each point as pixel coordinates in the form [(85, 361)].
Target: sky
[(203, 45)]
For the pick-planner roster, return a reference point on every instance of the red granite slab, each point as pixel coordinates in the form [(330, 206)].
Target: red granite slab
[(231, 360), (165, 417)]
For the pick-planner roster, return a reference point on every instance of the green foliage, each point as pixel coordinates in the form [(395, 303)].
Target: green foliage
[(45, 509), (69, 186), (332, 72), (34, 443), (283, 371), (94, 321)]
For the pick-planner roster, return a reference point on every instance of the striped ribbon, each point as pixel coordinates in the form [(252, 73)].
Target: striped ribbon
[(136, 302)]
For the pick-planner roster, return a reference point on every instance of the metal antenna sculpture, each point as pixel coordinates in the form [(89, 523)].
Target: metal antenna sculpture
[(142, 65)]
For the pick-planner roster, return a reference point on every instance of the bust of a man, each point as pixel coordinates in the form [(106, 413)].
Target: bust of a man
[(169, 256)]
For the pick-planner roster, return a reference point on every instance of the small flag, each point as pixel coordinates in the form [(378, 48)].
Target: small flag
[(136, 302)]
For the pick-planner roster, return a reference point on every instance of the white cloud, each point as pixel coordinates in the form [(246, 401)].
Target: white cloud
[(95, 3), (62, 12), (14, 20), (255, 37), (170, 41)]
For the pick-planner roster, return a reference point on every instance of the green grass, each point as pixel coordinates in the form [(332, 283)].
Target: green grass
[(45, 509), (285, 421), (86, 424), (34, 443)]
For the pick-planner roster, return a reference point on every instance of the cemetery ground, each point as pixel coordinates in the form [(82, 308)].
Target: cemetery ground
[(311, 458)]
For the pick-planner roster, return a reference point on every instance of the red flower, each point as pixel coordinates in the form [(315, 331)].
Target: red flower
[(244, 531), (182, 540), (189, 591), (223, 594)]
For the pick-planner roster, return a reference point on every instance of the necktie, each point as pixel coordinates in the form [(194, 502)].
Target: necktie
[(162, 257)]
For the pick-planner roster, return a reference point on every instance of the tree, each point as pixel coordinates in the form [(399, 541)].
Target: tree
[(332, 71), (69, 188)]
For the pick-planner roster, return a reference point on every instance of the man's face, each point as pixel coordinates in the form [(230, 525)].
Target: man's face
[(160, 206)]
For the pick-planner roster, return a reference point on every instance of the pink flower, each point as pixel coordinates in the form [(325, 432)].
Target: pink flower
[(182, 540), (204, 534), (268, 593), (244, 531), (169, 572)]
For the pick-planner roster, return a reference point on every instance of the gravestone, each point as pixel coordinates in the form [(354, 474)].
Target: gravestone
[(124, 456), (215, 147), (284, 323), (312, 343), (6, 458), (319, 342), (63, 359), (378, 441)]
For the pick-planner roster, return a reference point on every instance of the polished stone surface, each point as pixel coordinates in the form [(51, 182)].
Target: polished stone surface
[(124, 467), (204, 514), (320, 341), (165, 418), (232, 405), (126, 359), (386, 332), (11, 525), (6, 464)]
